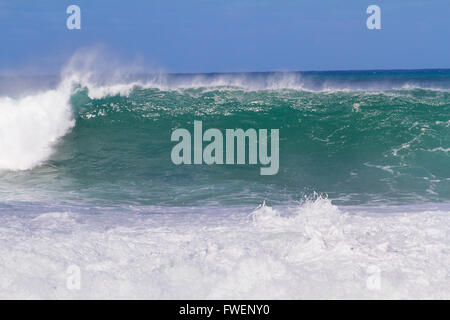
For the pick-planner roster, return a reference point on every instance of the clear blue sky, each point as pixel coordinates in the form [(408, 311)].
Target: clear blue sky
[(230, 35)]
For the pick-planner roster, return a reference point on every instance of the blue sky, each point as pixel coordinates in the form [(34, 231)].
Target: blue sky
[(229, 35)]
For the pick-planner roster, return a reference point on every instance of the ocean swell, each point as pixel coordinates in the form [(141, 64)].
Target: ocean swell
[(359, 137)]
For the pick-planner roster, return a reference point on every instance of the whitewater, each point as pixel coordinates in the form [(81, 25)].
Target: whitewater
[(359, 209), (314, 250)]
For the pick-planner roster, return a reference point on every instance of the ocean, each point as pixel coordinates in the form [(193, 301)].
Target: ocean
[(359, 207)]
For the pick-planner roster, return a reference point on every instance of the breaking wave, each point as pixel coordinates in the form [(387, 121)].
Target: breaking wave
[(359, 137), (86, 180)]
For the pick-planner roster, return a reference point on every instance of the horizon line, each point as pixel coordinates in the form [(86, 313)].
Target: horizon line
[(253, 72)]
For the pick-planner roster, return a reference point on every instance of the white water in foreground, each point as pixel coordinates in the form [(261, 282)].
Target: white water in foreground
[(316, 251)]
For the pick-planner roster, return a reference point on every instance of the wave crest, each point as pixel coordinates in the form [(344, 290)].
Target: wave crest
[(30, 126)]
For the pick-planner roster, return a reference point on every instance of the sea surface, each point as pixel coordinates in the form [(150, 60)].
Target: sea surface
[(360, 206)]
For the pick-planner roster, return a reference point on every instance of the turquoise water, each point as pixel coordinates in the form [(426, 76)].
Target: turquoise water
[(357, 137)]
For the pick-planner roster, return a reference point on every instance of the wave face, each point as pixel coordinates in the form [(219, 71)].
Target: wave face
[(360, 138)]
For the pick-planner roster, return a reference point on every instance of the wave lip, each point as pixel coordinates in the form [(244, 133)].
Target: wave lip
[(30, 126), (275, 81)]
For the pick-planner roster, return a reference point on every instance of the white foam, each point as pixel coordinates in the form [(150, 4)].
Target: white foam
[(445, 150), (314, 250), (30, 126)]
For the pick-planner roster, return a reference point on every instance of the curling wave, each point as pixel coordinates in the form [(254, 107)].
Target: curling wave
[(383, 139)]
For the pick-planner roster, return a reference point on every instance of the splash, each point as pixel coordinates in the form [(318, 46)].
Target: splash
[(30, 127)]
